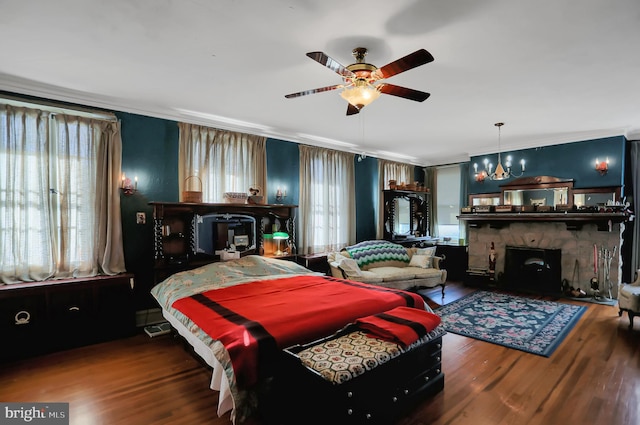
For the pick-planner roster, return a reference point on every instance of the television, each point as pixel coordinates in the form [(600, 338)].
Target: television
[(215, 232)]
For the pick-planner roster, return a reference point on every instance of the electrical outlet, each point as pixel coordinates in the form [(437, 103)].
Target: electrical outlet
[(141, 218)]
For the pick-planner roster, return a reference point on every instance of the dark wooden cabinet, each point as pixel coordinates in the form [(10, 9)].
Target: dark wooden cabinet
[(455, 260), (315, 262), (189, 235), (39, 317), (406, 215)]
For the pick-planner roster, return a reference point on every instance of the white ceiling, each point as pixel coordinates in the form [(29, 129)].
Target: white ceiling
[(554, 71)]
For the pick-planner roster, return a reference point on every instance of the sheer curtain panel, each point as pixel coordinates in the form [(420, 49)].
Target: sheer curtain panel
[(327, 200), (224, 161), (59, 196), (431, 183)]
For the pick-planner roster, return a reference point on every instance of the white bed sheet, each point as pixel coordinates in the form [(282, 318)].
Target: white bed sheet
[(219, 381)]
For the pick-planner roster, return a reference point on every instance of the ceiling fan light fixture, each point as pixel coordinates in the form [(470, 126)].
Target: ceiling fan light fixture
[(360, 94), (359, 78)]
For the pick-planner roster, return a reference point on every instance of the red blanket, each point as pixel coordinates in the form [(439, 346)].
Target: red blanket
[(401, 325), (255, 320)]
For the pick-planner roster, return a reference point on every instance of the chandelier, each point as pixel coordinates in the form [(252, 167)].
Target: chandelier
[(501, 172)]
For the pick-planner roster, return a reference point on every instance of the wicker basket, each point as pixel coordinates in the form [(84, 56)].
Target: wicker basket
[(192, 195)]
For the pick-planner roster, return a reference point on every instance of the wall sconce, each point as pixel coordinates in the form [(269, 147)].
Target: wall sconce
[(479, 176), (602, 167), (126, 187), (281, 195)]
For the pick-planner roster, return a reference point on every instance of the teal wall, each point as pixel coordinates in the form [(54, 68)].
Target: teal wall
[(570, 160), (150, 152), (367, 196), (283, 170)]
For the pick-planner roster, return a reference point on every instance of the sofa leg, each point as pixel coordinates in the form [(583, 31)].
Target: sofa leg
[(442, 290), (631, 316)]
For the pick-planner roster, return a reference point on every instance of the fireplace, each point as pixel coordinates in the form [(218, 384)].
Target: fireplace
[(533, 269)]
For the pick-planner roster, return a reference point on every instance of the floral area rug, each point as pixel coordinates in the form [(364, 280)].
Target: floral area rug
[(533, 326)]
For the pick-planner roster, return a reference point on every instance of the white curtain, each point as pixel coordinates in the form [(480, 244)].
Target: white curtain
[(223, 161), (390, 170), (431, 183), (59, 199), (327, 200)]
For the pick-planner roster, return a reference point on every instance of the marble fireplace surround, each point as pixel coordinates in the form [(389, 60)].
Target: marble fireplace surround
[(576, 243)]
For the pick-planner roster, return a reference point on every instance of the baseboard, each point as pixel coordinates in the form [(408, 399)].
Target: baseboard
[(149, 317)]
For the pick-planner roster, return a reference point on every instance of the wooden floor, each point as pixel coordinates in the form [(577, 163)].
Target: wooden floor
[(592, 378)]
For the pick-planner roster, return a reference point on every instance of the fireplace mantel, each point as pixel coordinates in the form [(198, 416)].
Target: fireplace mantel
[(579, 245), (573, 220)]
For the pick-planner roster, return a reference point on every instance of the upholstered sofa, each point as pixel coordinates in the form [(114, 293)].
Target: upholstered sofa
[(388, 264)]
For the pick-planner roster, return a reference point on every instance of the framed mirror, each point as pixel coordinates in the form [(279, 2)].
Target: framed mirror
[(405, 215), (539, 190), (403, 222), (596, 196), (548, 196), (485, 199), (219, 231)]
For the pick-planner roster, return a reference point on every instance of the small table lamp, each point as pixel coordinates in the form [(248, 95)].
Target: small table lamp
[(278, 236)]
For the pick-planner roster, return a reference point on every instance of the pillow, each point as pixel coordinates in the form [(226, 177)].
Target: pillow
[(378, 253), (339, 257), (422, 261), (430, 252), (350, 267)]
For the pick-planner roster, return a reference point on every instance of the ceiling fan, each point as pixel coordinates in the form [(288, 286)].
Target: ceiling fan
[(360, 78)]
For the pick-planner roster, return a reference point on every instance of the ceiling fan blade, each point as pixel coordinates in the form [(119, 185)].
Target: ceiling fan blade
[(352, 110), (404, 92), (330, 63), (417, 58), (312, 91)]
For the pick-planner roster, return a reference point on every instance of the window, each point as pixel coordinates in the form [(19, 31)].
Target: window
[(55, 178), (448, 201), (224, 161), (327, 200)]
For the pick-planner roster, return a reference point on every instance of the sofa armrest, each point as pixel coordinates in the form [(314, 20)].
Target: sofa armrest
[(336, 271), (436, 262)]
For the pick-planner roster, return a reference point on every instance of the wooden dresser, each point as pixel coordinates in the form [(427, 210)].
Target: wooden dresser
[(42, 317)]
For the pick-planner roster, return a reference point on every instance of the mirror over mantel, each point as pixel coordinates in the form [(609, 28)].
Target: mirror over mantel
[(547, 191), (537, 191)]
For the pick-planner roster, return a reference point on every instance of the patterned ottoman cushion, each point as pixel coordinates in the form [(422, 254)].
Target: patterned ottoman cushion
[(342, 359)]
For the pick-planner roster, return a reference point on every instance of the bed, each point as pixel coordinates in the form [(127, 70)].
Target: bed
[(238, 314)]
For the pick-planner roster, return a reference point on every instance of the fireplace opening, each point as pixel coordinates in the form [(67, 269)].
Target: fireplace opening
[(533, 269)]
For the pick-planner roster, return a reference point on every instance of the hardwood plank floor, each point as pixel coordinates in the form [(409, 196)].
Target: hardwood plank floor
[(592, 378)]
